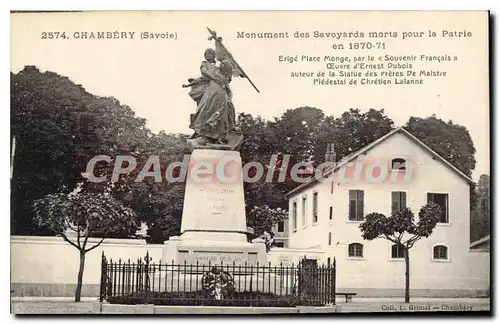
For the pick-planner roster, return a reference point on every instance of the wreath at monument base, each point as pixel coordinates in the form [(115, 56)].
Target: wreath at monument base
[(217, 284)]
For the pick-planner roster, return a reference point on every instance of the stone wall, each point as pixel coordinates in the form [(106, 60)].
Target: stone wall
[(48, 266)]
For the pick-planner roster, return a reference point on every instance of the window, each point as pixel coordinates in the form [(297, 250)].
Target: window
[(441, 200), (331, 212), (398, 164), (279, 244), (328, 261), (440, 252), (397, 251), (355, 250), (356, 205), (398, 201), (294, 215), (281, 227), (315, 207), (304, 209), (329, 238)]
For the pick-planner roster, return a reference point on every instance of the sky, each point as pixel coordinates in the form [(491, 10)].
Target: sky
[(147, 74)]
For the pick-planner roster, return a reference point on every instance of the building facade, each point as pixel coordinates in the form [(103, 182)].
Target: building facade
[(280, 231), (395, 171)]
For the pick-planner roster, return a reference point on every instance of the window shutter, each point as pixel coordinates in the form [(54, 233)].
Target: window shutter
[(446, 210), (361, 205), (315, 207), (395, 201), (294, 215), (352, 205)]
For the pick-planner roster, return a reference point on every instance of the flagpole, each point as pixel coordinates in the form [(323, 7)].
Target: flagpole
[(228, 55)]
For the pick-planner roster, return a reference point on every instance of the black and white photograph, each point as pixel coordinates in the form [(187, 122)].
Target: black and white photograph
[(250, 162)]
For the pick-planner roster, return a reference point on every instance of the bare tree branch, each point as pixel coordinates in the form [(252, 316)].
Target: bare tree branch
[(67, 240), (78, 238), (394, 240), (411, 241), (93, 247), (415, 238), (68, 223), (86, 239), (62, 235)]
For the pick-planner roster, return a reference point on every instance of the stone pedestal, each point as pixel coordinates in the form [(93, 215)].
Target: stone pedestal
[(213, 225)]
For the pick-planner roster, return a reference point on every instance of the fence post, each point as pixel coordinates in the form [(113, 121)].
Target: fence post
[(102, 288), (299, 279), (146, 277), (334, 280)]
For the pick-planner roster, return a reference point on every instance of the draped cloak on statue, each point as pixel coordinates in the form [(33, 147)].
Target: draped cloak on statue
[(215, 115)]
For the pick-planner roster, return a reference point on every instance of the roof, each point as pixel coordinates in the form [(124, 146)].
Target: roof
[(480, 241), (354, 155)]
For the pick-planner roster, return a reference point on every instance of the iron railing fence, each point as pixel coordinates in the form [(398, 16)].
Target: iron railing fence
[(146, 282)]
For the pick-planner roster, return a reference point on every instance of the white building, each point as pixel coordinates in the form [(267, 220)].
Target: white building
[(281, 235), (394, 171)]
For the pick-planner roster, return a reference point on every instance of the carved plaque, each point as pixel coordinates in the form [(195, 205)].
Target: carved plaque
[(214, 258)]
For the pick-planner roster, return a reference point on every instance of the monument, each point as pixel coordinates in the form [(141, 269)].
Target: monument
[(213, 225)]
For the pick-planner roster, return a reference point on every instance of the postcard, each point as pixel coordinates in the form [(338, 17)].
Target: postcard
[(250, 162)]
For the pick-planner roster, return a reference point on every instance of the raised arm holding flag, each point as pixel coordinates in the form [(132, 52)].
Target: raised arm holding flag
[(221, 53)]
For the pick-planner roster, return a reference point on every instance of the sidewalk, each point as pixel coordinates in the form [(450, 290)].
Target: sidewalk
[(51, 299), (415, 300), (66, 305), (385, 305), (46, 305)]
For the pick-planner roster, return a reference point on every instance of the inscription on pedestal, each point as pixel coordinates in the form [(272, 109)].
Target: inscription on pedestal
[(214, 258), (219, 258), (214, 203), (216, 206), (219, 191), (205, 259)]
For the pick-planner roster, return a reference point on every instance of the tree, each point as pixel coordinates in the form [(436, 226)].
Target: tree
[(352, 131), (59, 127), (483, 194), (263, 218), (302, 134), (296, 132), (401, 230), (480, 216), (159, 204), (450, 141), (260, 144), (165, 213), (86, 214)]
